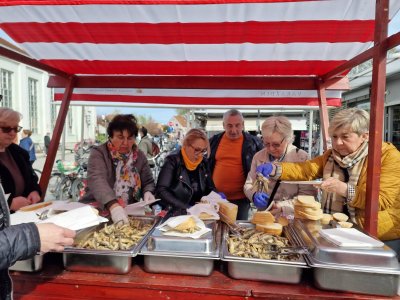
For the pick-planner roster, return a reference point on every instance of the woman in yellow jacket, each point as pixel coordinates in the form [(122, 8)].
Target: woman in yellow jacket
[(344, 172)]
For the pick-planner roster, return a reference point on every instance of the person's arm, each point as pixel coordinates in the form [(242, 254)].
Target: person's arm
[(166, 180), (97, 177), (251, 177)]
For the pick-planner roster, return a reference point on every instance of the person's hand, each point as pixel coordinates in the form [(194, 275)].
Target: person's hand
[(334, 185), (222, 195), (118, 215), (54, 238), (261, 200), (148, 197), (34, 197), (265, 169), (19, 202)]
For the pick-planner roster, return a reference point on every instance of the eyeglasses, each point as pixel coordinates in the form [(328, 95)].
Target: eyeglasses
[(199, 150), (274, 145), (9, 129)]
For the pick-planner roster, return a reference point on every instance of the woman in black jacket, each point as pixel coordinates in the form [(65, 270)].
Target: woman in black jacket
[(16, 172), (185, 176)]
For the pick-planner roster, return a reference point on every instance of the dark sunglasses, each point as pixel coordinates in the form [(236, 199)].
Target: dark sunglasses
[(9, 129)]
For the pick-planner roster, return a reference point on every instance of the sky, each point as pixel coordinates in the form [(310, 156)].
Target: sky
[(163, 115)]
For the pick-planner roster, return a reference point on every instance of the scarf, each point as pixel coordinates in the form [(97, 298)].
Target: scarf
[(346, 169), (127, 186), (190, 165)]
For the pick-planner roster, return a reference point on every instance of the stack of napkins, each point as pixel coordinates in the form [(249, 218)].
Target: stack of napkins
[(205, 211), (138, 208), (349, 237), (168, 226), (75, 219)]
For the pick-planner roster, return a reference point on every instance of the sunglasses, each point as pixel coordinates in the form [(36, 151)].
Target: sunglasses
[(9, 129), (199, 150)]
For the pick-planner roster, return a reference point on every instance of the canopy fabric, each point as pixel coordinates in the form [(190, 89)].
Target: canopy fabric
[(193, 38)]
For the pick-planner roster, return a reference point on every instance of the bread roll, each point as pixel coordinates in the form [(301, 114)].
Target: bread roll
[(340, 217), (283, 221), (326, 218), (273, 228), (306, 216), (345, 224), (262, 217), (308, 210), (314, 204)]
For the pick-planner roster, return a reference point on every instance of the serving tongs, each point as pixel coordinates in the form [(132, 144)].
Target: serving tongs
[(275, 250), (234, 228)]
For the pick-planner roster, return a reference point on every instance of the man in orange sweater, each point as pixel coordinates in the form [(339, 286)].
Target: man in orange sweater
[(230, 160)]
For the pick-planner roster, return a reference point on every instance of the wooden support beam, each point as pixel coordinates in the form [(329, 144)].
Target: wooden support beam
[(376, 123), (323, 113), (55, 140)]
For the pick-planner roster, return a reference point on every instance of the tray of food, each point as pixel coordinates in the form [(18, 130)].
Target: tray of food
[(108, 248), (370, 268), (33, 264), (263, 256), (182, 255)]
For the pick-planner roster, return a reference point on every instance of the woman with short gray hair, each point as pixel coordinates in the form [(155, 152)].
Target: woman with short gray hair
[(277, 136)]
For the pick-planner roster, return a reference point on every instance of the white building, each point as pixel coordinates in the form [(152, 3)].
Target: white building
[(24, 89)]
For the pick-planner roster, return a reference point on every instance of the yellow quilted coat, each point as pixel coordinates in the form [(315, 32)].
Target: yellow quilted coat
[(389, 193)]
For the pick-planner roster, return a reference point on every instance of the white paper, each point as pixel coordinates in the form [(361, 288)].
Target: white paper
[(21, 217), (76, 219), (350, 237), (211, 209), (138, 207), (212, 198), (168, 225)]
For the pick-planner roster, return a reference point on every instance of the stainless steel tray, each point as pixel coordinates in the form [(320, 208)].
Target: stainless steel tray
[(104, 261), (323, 251), (177, 255), (366, 271), (33, 264), (262, 269)]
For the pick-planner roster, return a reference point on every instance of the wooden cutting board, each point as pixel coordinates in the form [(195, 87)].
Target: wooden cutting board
[(36, 206)]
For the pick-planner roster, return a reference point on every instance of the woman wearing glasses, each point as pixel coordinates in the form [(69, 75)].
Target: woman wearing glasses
[(277, 136), (185, 176), (16, 173)]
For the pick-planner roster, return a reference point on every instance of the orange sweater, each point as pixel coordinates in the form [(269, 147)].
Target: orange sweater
[(228, 174)]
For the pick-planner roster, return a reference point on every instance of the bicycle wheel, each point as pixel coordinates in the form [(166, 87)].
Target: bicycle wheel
[(64, 193), (54, 184), (78, 188)]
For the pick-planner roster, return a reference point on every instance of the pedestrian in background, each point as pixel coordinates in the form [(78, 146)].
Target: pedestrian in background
[(46, 142), (27, 144)]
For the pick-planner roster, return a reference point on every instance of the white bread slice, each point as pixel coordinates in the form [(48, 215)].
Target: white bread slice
[(283, 221), (263, 218), (326, 218), (314, 204), (273, 228), (305, 216), (345, 224), (306, 199), (228, 212)]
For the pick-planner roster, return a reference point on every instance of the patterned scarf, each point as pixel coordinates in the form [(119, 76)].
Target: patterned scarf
[(127, 185), (346, 169)]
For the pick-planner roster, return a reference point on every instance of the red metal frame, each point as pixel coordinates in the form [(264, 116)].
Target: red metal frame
[(378, 52)]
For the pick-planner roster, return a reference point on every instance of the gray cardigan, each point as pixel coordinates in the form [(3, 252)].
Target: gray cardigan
[(101, 174)]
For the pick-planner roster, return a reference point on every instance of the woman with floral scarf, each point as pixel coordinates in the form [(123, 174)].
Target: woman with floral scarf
[(118, 173), (344, 172)]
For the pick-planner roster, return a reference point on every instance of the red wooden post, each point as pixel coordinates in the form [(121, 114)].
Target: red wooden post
[(376, 124), (323, 113), (55, 140)]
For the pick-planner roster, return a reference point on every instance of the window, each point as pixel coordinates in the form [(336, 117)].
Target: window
[(33, 107), (5, 88), (53, 110)]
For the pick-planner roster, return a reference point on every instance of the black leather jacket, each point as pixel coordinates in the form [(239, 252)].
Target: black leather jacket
[(251, 145), (21, 158), (174, 186), (16, 243)]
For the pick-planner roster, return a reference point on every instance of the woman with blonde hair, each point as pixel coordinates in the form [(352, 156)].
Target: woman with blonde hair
[(277, 135), (185, 176)]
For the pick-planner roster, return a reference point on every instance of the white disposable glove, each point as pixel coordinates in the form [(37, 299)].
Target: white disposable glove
[(148, 196), (118, 215)]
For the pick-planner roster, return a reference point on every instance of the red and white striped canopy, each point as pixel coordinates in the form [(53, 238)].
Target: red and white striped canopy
[(194, 38)]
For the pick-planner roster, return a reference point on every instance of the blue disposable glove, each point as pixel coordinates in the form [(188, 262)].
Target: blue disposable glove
[(222, 195), (265, 169), (261, 200)]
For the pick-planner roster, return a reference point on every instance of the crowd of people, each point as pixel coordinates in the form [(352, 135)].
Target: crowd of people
[(228, 163)]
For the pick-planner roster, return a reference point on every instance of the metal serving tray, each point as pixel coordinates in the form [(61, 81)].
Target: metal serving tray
[(177, 255), (262, 269), (104, 261), (368, 271), (33, 264)]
